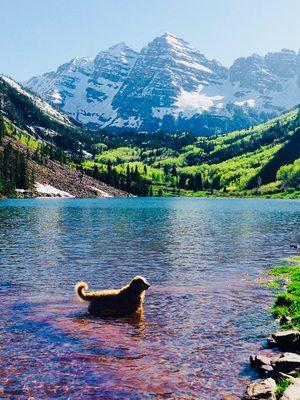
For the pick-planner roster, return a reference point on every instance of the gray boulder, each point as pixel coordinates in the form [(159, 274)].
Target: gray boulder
[(293, 391), (259, 360), (288, 340), (287, 363), (261, 389)]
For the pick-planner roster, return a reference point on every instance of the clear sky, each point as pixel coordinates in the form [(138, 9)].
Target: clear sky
[(39, 35)]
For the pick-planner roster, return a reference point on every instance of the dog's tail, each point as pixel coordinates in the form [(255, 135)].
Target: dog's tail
[(80, 290)]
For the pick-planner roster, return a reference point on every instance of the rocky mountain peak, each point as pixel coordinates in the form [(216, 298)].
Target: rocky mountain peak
[(171, 85), (75, 64), (283, 63), (119, 51)]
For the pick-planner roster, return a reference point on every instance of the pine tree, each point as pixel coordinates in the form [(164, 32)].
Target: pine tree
[(174, 172), (198, 181), (109, 173), (81, 173), (190, 183), (136, 174), (96, 171), (8, 171), (1, 129), (259, 181), (128, 178), (182, 181), (160, 192)]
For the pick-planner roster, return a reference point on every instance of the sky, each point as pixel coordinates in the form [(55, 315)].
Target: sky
[(37, 36)]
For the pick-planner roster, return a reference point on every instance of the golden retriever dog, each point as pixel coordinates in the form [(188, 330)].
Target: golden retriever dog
[(116, 302)]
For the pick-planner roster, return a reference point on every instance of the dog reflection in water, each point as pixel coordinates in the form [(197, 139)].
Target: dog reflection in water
[(116, 302)]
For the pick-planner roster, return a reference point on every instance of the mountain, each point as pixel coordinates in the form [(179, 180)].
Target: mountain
[(40, 144), (172, 86), (30, 158), (85, 87)]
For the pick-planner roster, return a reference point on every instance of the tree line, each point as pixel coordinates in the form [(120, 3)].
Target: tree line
[(130, 181), (15, 172)]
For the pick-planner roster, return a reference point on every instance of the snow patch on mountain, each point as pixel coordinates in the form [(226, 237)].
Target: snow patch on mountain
[(246, 103), (195, 102)]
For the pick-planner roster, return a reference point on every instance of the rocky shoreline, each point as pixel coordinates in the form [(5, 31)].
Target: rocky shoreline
[(280, 372)]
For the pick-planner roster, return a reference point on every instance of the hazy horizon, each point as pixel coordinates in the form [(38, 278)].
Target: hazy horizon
[(48, 34)]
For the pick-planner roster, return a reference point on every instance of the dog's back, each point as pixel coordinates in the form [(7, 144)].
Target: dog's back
[(118, 304)]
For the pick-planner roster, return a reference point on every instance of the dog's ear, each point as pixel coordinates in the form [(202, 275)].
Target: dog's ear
[(134, 284)]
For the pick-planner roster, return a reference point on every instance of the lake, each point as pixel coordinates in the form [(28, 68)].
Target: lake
[(205, 313)]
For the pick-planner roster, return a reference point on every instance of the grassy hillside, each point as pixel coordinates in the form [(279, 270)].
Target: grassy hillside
[(243, 162)]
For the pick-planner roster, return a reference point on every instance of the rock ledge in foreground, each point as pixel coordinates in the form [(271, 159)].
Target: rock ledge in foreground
[(261, 389)]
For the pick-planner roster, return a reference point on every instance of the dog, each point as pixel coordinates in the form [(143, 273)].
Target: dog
[(116, 302)]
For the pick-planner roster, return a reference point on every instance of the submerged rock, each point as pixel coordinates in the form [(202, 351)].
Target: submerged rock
[(261, 389)]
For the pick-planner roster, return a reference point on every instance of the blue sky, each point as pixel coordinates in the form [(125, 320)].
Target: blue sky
[(38, 35)]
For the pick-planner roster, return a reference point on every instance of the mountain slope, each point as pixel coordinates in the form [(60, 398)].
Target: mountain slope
[(287, 154), (172, 86), (180, 164), (55, 179), (29, 157), (78, 87)]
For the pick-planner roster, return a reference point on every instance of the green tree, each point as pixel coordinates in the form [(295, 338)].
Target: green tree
[(1, 129), (174, 172), (160, 192), (290, 175), (198, 181)]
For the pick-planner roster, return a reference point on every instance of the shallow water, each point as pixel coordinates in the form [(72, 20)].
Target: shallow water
[(204, 314)]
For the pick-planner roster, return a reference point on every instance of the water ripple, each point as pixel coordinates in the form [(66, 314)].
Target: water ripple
[(205, 312)]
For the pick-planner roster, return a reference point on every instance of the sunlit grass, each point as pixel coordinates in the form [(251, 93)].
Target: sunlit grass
[(287, 302)]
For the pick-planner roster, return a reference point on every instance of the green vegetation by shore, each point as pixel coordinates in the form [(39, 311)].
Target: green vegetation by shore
[(287, 303), (281, 372)]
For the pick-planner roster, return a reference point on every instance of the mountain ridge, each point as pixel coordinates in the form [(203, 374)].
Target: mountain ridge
[(170, 85)]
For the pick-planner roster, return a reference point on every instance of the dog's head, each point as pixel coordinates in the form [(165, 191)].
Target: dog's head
[(139, 284)]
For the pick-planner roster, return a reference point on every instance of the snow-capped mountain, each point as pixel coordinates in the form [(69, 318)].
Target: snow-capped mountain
[(84, 88), (172, 86)]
